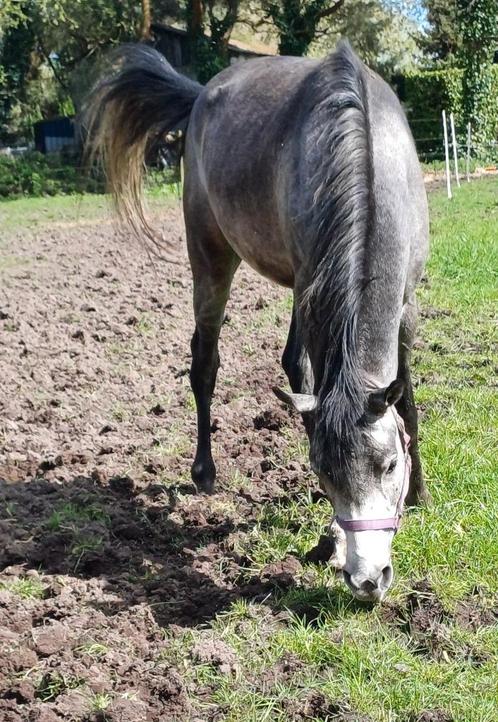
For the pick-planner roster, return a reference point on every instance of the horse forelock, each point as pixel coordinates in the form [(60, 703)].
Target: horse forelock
[(337, 225)]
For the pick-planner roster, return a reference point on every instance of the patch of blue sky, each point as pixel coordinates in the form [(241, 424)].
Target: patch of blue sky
[(413, 9)]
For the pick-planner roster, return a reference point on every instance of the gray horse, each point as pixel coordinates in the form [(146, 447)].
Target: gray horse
[(305, 169)]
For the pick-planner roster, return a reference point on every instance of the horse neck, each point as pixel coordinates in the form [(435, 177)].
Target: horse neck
[(380, 313)]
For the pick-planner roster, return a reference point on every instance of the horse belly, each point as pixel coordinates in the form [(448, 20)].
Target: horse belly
[(258, 243)]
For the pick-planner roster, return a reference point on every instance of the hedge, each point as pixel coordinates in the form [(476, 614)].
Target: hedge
[(426, 93)]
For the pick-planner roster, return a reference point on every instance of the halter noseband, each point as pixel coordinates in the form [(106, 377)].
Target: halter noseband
[(393, 522)]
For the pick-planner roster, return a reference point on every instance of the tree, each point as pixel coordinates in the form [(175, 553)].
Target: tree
[(478, 23), (20, 65), (444, 40), (297, 21), (385, 36), (11, 13), (45, 43), (209, 26)]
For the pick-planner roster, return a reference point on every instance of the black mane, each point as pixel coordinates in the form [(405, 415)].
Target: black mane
[(337, 226)]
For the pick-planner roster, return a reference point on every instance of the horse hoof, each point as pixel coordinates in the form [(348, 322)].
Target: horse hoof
[(420, 497), (203, 477)]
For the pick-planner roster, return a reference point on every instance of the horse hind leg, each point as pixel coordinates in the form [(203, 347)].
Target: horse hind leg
[(213, 265), (417, 492)]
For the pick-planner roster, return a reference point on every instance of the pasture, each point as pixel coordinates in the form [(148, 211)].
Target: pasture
[(126, 597)]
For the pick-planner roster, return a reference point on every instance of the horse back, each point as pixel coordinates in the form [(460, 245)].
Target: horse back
[(251, 155), (241, 144)]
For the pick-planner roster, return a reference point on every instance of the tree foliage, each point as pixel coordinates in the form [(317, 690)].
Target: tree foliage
[(45, 42), (210, 25), (443, 40), (52, 50), (297, 21), (48, 48), (386, 38), (478, 23)]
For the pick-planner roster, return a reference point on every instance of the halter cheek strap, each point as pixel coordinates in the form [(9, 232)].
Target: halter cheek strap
[(394, 522)]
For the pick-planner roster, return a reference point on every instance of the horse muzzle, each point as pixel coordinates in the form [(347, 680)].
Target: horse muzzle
[(368, 570), (372, 586)]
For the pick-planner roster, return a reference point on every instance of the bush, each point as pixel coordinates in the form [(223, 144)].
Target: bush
[(35, 174), (426, 93)]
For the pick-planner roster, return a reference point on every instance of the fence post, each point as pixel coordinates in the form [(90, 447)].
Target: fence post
[(446, 155), (455, 153), (469, 141)]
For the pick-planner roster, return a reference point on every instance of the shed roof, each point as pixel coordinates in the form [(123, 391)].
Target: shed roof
[(255, 47)]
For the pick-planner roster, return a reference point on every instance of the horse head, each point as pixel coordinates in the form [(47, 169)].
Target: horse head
[(366, 483)]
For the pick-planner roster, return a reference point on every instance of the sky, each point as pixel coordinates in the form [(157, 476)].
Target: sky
[(414, 9)]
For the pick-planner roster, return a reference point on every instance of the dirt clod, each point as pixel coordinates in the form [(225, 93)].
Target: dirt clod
[(73, 704), (217, 653), (272, 419), (122, 484), (316, 706), (43, 714), (471, 614), (428, 625), (283, 573), (126, 710), (50, 639), (431, 715)]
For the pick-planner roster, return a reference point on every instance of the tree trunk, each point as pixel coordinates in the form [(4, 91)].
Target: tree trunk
[(195, 18), (146, 20), (289, 44)]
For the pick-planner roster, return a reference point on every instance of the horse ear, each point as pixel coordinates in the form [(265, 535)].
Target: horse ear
[(304, 403), (380, 400)]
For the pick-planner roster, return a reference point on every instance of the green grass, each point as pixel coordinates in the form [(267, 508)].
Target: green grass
[(26, 588), (92, 649), (37, 213), (75, 520), (456, 369), (440, 165), (349, 652), (71, 516), (100, 701), (53, 684)]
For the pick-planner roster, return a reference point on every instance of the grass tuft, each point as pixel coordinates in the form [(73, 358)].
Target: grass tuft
[(26, 588)]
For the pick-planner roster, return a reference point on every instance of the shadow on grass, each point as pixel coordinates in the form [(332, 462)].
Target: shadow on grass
[(140, 550), (312, 605)]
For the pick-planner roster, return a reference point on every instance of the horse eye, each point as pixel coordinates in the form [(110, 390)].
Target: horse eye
[(391, 466)]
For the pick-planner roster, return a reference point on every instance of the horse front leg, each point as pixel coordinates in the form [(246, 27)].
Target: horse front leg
[(406, 407), (291, 355), (211, 292), (296, 364)]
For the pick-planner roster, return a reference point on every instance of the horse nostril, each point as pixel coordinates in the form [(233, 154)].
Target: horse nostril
[(387, 576)]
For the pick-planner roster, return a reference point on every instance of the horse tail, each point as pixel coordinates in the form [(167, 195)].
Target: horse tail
[(127, 116)]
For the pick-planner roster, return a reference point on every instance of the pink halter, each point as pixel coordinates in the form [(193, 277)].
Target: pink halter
[(393, 522)]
